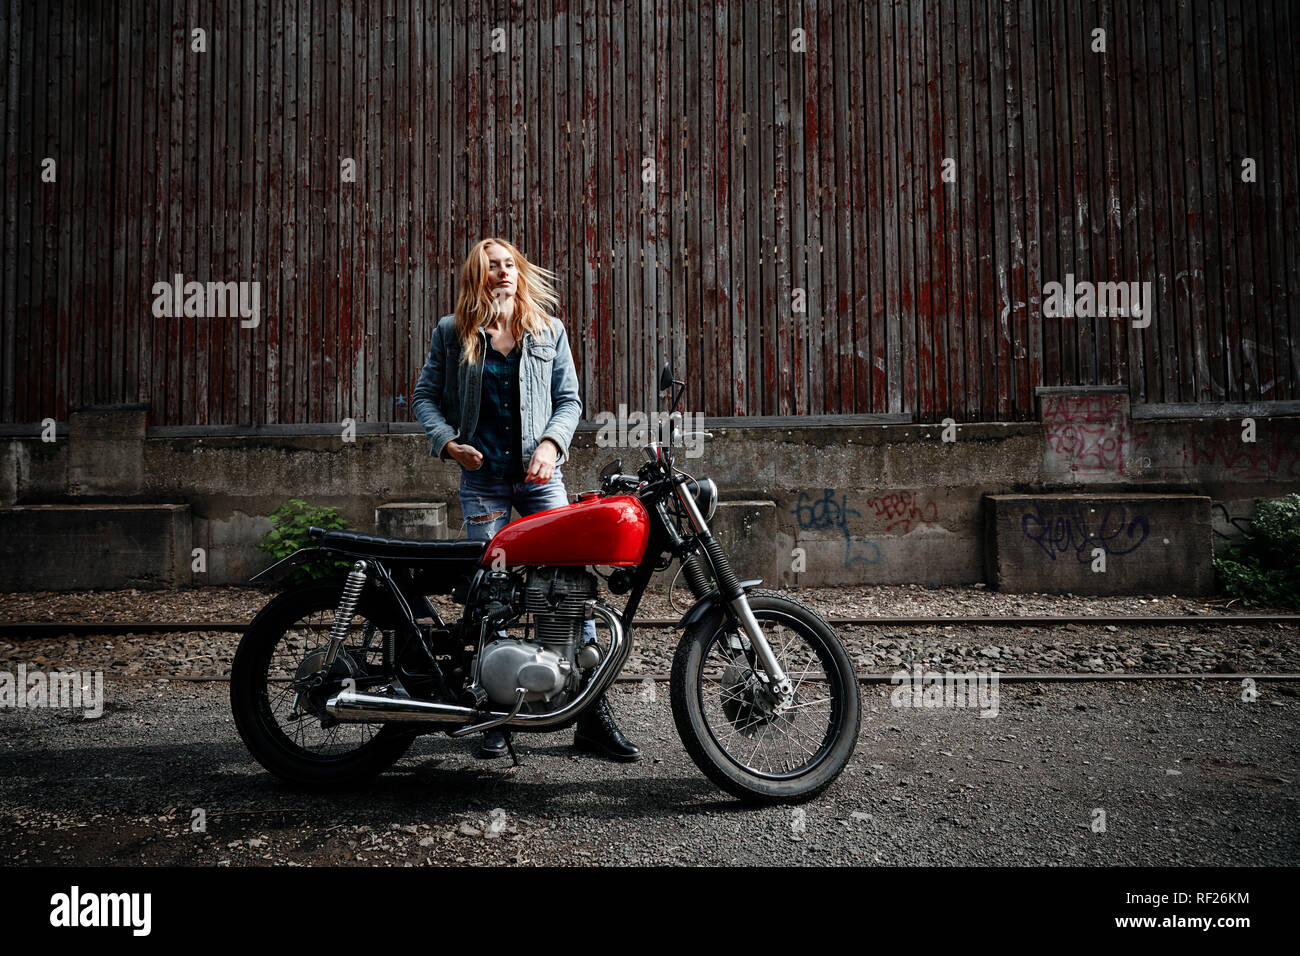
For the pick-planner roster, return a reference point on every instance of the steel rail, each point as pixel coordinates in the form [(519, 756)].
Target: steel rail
[(95, 628), (1003, 677)]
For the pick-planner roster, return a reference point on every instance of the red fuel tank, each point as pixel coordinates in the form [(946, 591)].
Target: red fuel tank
[(611, 530)]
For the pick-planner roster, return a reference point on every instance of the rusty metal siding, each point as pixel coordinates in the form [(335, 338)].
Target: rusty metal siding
[(692, 177)]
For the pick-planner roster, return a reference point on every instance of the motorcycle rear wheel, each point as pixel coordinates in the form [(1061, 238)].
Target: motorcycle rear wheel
[(725, 719), (293, 627)]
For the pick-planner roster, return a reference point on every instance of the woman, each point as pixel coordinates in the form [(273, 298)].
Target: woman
[(499, 395)]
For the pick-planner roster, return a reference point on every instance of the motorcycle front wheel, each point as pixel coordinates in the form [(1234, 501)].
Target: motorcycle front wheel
[(279, 721), (729, 723)]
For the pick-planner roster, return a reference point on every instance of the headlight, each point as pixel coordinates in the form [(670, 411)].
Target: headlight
[(706, 496)]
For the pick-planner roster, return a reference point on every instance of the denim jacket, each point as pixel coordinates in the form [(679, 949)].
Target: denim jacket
[(446, 399)]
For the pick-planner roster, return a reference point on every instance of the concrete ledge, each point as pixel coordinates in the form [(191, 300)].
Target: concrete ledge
[(1233, 410), (865, 502), (1099, 544), (418, 520), (80, 547)]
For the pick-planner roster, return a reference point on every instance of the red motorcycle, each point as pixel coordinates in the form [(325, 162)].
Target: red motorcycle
[(334, 679)]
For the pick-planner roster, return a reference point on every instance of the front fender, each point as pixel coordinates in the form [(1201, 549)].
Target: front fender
[(706, 603)]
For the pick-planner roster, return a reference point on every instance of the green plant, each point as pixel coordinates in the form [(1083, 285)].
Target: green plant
[(1263, 568), (289, 524)]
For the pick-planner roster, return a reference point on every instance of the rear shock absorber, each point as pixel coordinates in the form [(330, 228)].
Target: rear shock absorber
[(343, 613)]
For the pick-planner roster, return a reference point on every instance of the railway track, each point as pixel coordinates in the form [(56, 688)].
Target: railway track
[(26, 629), (31, 630), (1003, 677)]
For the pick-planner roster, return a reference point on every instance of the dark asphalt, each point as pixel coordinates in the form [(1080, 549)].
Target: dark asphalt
[(1185, 773)]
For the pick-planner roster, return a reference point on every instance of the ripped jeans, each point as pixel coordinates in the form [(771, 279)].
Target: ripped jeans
[(486, 501)]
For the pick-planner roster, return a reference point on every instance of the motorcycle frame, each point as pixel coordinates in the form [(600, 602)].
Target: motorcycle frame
[(406, 580)]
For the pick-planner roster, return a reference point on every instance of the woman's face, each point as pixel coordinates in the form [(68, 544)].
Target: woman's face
[(503, 274)]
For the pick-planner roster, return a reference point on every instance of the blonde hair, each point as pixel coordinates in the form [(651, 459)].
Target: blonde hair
[(535, 297)]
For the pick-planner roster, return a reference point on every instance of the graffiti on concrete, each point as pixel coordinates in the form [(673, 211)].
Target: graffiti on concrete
[(1246, 460), (1090, 431), (1080, 528), (827, 514), (903, 511), (1226, 525)]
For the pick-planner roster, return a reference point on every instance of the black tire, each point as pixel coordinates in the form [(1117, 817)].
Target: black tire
[(251, 697), (701, 715)]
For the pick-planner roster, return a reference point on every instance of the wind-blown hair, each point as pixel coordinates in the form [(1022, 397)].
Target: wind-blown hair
[(535, 297)]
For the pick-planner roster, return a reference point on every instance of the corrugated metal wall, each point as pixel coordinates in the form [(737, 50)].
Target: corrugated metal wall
[(767, 204)]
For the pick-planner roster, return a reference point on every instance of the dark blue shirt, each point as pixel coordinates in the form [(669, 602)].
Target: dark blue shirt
[(498, 434)]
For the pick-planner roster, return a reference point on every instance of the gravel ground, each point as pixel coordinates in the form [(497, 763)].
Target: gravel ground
[(1057, 650), (1187, 774), (1072, 648), (241, 603)]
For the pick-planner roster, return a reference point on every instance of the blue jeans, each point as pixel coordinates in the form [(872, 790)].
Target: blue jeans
[(485, 503)]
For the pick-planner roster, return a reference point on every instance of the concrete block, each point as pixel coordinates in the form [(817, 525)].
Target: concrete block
[(1088, 434), (417, 520), (1231, 520), (82, 547), (747, 532), (879, 536), (106, 449), (13, 465), (231, 546), (1099, 544), (33, 471)]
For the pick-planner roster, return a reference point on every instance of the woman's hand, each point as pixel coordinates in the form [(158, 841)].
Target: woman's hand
[(542, 466), (469, 457)]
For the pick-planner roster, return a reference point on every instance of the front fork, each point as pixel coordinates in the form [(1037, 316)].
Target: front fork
[(730, 591)]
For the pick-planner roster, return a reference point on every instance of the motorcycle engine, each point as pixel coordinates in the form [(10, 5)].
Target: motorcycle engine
[(547, 665)]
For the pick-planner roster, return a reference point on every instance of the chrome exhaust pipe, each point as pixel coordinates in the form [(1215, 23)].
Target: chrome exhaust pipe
[(352, 707)]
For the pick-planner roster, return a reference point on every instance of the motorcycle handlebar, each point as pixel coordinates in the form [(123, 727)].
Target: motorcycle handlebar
[(641, 485)]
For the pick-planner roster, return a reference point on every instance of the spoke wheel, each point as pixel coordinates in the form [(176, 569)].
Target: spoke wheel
[(737, 730), (278, 689), (744, 718)]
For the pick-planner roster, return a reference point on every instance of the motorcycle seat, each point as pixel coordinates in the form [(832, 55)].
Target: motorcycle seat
[(373, 545)]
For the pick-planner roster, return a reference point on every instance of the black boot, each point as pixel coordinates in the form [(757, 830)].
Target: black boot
[(597, 733), (493, 743)]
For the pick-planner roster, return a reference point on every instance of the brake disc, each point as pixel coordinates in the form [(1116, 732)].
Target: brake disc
[(745, 700)]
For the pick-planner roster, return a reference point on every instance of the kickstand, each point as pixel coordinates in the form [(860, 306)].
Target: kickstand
[(510, 745)]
